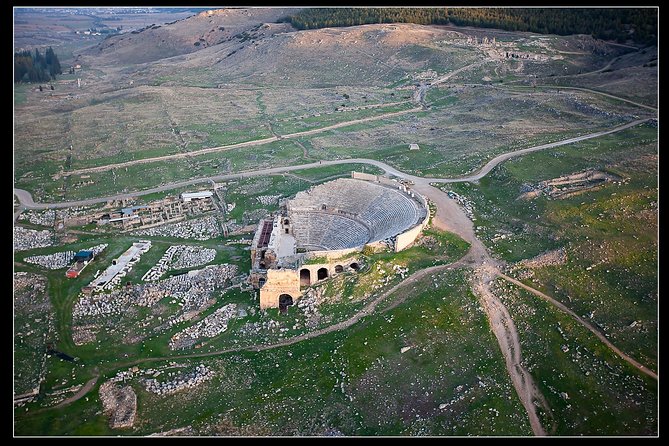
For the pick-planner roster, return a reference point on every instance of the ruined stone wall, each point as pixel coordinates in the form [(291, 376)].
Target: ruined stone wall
[(331, 268), (331, 255), (375, 178), (365, 176), (408, 237), (287, 281), (279, 281)]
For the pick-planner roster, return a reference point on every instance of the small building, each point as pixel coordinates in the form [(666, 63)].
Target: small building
[(414, 147), (81, 259), (83, 256), (188, 196)]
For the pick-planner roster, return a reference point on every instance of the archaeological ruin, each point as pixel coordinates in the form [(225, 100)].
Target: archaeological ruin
[(319, 233)]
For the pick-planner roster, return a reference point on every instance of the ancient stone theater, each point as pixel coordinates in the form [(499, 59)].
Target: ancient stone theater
[(321, 232)]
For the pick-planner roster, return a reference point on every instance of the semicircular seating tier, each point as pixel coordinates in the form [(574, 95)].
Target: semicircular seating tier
[(348, 213)]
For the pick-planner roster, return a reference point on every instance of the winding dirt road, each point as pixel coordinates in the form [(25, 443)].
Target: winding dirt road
[(255, 142), (506, 333), (83, 391), (583, 322), (490, 165), (27, 202)]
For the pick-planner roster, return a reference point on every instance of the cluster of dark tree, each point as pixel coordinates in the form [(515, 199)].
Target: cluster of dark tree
[(621, 24), (35, 66)]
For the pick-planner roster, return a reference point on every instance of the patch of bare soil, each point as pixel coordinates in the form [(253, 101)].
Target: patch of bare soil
[(119, 403)]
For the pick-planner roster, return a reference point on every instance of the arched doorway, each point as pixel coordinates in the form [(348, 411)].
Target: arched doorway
[(339, 269), (305, 277), (355, 266), (285, 300), (322, 273)]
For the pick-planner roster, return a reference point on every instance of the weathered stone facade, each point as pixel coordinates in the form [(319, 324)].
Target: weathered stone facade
[(279, 281)]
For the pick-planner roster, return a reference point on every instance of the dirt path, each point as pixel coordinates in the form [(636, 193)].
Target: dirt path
[(26, 200), (583, 322), (365, 311), (447, 76), (490, 165), (256, 142), (505, 331), (560, 87), (83, 391), (305, 152), (421, 91), (451, 217)]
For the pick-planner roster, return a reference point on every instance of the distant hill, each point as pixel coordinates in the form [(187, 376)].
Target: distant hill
[(638, 25), (199, 31)]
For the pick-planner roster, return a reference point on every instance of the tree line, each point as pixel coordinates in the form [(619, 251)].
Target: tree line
[(36, 67), (618, 24)]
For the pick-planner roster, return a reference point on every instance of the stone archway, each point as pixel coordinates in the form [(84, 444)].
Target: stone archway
[(285, 300), (339, 269), (322, 273), (305, 277), (355, 266)]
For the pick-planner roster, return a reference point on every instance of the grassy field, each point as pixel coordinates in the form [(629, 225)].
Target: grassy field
[(20, 96), (465, 126), (589, 389), (468, 125), (331, 384), (610, 234), (445, 133), (442, 248), (335, 117), (425, 362), (144, 176), (33, 327)]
